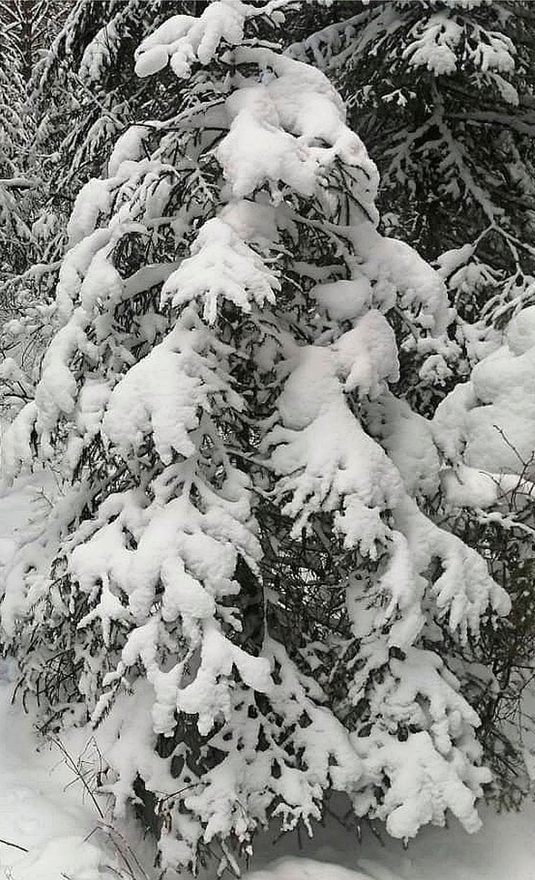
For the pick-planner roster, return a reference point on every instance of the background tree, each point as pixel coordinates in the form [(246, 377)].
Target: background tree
[(82, 93), (28, 225), (443, 93), (30, 26), (14, 134)]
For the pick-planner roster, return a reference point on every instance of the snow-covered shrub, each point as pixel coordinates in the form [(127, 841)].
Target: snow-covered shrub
[(238, 582)]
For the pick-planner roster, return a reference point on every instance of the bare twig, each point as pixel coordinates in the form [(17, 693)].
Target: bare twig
[(14, 845), (71, 763)]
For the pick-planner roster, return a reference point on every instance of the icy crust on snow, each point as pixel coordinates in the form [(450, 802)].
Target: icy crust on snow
[(486, 427)]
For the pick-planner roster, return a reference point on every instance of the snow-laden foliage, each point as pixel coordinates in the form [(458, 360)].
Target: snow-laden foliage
[(30, 26), (238, 582), (14, 231), (86, 89), (484, 429), (499, 395), (82, 94), (442, 93), (28, 223)]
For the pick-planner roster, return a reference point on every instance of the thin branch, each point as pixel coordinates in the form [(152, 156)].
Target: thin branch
[(14, 845)]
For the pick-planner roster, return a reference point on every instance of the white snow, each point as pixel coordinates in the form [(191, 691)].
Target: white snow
[(305, 869), (289, 114), (92, 200), (167, 550), (399, 272), (182, 38), (35, 813), (221, 265), (128, 147), (344, 300), (438, 38), (488, 423)]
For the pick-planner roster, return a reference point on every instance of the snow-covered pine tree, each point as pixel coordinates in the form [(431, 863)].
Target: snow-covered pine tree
[(237, 583), (30, 26), (81, 95), (14, 232), (27, 226)]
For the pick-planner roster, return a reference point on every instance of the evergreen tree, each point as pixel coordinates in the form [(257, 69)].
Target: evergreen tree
[(30, 26), (14, 232), (86, 89), (238, 583), (80, 96), (26, 226)]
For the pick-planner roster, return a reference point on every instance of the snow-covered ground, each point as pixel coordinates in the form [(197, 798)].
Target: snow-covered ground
[(50, 831), (36, 814), (504, 849)]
